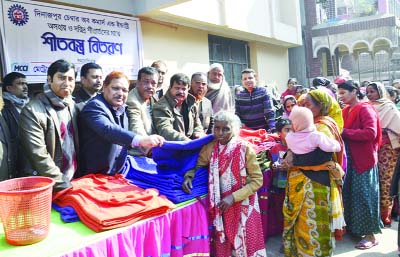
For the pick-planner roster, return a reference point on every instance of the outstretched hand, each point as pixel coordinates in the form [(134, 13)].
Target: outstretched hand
[(187, 185), (226, 203), (151, 141)]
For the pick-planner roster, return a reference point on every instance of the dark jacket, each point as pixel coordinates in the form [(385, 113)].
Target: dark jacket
[(6, 164), (104, 138), (170, 122), (20, 163)]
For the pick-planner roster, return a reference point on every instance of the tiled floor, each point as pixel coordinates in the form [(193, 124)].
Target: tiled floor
[(387, 245)]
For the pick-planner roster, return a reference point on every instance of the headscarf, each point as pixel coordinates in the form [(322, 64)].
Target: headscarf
[(285, 99), (302, 119), (330, 106), (388, 114)]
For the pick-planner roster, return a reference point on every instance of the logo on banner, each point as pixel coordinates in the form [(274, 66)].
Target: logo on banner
[(20, 67), (18, 15)]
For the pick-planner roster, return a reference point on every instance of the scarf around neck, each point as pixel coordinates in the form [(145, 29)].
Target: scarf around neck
[(56, 100), (19, 102)]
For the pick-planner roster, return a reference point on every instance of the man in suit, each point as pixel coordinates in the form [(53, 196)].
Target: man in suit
[(15, 95), (48, 128), (103, 127), (198, 89), (91, 83), (140, 106)]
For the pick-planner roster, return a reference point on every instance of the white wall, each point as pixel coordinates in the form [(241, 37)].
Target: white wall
[(271, 63), (183, 49)]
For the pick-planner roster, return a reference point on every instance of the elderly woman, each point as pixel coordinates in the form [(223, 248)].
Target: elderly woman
[(234, 178), (312, 208), (362, 134), (388, 152)]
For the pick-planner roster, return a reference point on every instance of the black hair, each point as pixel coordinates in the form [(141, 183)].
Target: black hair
[(179, 78), (10, 77), (321, 81), (60, 66), (281, 122), (198, 74), (147, 71), (294, 80), (393, 92), (350, 85), (87, 66)]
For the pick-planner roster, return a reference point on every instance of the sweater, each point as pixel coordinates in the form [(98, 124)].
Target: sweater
[(255, 109)]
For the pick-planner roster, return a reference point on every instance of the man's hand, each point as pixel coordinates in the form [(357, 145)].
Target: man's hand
[(187, 185), (226, 203), (151, 141)]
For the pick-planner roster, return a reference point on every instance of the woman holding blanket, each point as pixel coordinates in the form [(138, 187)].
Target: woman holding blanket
[(234, 178), (362, 134)]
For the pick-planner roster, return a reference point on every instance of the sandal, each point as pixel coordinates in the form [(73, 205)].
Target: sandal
[(365, 244)]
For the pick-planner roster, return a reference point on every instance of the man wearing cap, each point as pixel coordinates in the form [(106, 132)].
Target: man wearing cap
[(219, 91), (175, 116)]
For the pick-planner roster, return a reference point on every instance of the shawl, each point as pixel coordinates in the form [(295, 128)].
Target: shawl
[(330, 106), (388, 115), (227, 174), (334, 129), (221, 97)]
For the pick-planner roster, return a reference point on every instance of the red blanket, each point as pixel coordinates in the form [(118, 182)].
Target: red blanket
[(106, 202)]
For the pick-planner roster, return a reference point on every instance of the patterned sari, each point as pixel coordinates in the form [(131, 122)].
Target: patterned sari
[(238, 229), (313, 211)]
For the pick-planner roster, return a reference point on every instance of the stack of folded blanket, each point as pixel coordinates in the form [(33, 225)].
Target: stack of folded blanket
[(165, 173), (105, 202)]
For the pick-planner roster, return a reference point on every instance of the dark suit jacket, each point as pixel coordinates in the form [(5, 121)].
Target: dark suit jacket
[(20, 164), (104, 139), (6, 169)]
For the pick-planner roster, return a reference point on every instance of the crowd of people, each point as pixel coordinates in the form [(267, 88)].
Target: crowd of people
[(336, 152)]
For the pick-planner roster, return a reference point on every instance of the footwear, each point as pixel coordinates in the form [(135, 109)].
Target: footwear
[(365, 244)]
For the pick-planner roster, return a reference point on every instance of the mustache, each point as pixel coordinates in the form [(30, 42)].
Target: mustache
[(180, 95)]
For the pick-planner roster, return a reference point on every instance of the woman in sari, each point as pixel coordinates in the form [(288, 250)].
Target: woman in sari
[(234, 178), (313, 211), (388, 152), (362, 134)]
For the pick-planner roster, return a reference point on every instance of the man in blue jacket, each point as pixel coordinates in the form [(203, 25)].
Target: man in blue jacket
[(103, 128)]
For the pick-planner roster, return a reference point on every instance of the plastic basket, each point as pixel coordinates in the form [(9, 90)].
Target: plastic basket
[(25, 207)]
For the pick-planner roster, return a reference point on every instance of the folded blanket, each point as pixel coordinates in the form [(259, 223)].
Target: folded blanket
[(67, 213), (104, 202), (178, 156)]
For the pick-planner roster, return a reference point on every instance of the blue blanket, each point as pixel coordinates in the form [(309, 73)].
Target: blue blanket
[(165, 172)]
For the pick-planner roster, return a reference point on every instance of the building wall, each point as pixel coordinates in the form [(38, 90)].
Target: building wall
[(183, 49), (186, 50), (271, 64)]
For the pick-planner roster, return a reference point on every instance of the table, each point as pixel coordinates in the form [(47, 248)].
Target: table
[(181, 232)]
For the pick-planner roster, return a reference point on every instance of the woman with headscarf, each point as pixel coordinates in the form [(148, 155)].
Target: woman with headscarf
[(289, 102), (313, 210), (388, 152), (362, 134)]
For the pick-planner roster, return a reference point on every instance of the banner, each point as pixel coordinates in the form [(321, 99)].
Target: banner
[(35, 34)]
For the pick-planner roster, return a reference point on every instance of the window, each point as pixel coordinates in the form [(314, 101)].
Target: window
[(232, 54)]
